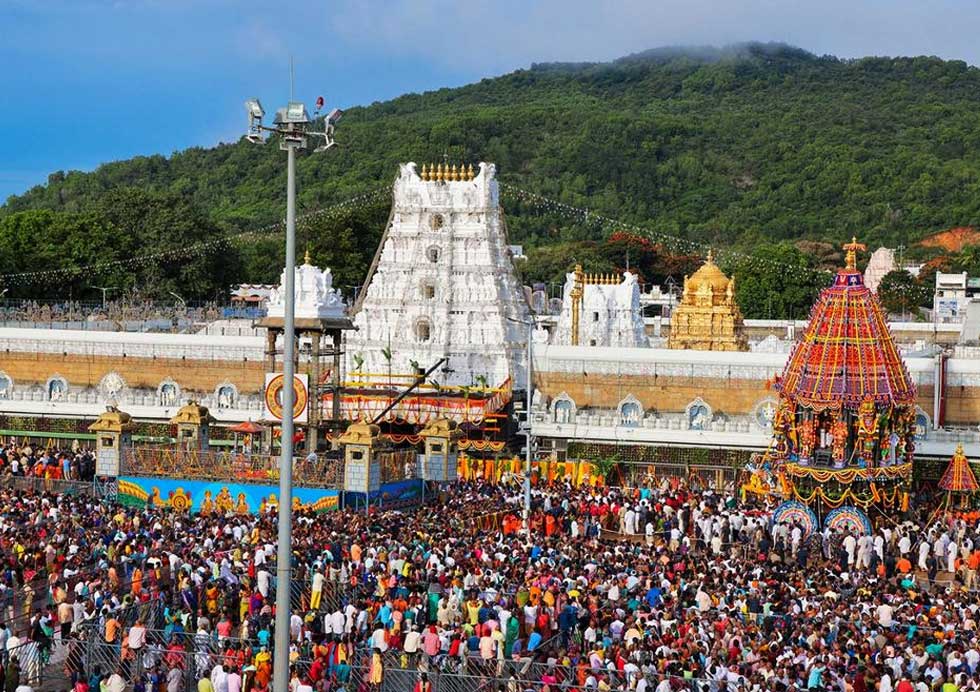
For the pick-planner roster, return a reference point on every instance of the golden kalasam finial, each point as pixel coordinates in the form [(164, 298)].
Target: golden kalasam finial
[(455, 175), (470, 174), (438, 171), (711, 256), (306, 257), (425, 172), (852, 250)]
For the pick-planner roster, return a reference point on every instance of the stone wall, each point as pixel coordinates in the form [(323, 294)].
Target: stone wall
[(730, 396), (85, 371)]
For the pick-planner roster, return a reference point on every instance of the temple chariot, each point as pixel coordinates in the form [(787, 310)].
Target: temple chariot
[(843, 434)]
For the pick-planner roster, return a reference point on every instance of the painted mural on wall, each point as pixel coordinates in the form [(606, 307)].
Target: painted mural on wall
[(204, 497), (406, 491)]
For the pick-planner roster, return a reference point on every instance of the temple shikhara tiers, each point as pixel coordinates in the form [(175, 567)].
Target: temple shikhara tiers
[(843, 434)]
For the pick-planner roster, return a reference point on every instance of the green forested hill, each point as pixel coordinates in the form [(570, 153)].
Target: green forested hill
[(743, 148)]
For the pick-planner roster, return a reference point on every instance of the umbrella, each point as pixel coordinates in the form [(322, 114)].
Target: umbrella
[(247, 428)]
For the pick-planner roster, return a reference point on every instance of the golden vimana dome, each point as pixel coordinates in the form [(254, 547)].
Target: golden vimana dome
[(707, 317), (709, 274)]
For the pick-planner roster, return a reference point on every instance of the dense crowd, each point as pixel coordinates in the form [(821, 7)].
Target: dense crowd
[(652, 589), (68, 464)]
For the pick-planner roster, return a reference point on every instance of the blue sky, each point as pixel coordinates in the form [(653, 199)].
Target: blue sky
[(89, 81)]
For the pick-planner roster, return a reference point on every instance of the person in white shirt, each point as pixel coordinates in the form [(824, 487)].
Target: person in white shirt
[(219, 678), (137, 636), (116, 683), (296, 627)]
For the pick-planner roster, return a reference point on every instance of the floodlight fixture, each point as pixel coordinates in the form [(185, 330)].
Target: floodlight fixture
[(293, 114), (254, 108)]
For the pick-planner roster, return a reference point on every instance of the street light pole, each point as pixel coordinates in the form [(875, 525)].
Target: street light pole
[(280, 664), (526, 513), (105, 290), (292, 124), (527, 455)]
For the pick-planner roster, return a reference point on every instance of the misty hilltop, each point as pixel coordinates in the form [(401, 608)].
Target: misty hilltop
[(740, 146)]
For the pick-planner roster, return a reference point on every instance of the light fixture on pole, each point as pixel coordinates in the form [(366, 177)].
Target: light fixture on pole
[(105, 290), (293, 126)]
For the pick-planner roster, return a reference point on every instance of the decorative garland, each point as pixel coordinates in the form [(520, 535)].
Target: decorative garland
[(847, 476), (889, 500)]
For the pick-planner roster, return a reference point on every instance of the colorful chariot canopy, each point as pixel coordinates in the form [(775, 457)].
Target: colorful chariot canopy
[(847, 354), (958, 477)]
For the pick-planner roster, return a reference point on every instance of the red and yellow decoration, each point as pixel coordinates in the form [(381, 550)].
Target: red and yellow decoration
[(273, 397), (844, 430)]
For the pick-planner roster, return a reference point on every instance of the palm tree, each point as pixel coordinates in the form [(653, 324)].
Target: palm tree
[(386, 352), (605, 466), (358, 365)]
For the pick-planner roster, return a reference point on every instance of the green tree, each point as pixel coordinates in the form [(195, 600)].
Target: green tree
[(777, 283), (900, 293)]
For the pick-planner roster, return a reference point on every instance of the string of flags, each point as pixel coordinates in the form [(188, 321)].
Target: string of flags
[(671, 242), (530, 198)]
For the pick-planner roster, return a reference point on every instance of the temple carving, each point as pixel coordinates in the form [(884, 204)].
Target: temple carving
[(708, 318)]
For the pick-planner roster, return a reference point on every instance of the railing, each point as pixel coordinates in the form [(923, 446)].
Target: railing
[(173, 462), (398, 672), (32, 484)]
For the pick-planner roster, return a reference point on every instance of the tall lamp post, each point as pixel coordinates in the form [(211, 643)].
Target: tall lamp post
[(293, 126), (526, 514)]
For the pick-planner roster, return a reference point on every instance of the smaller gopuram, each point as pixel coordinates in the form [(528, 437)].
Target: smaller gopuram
[(708, 318), (601, 310)]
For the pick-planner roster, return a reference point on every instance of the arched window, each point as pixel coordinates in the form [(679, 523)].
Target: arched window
[(423, 331), (629, 414), (57, 388), (432, 254), (564, 411), (428, 290)]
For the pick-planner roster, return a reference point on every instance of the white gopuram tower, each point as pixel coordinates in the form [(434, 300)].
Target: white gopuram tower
[(442, 284), (609, 311)]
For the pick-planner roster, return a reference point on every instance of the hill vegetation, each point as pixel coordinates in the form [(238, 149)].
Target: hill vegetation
[(765, 149)]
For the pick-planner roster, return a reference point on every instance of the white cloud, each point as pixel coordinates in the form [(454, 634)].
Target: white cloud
[(508, 33)]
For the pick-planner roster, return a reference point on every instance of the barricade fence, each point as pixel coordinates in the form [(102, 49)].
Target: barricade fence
[(398, 672), (325, 471), (33, 484)]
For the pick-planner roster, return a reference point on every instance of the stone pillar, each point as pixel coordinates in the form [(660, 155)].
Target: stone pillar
[(439, 458), (270, 350), (193, 423), (362, 470), (336, 336), (113, 441)]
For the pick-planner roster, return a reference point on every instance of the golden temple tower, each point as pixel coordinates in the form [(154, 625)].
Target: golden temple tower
[(708, 318)]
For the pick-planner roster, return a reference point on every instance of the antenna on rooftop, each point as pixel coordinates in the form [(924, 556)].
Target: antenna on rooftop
[(291, 78)]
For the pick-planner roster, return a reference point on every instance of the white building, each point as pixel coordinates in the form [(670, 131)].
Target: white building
[(880, 263), (609, 315), (953, 293), (316, 298), (443, 284)]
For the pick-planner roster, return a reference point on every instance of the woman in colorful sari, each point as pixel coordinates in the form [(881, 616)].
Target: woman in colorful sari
[(376, 672), (263, 667)]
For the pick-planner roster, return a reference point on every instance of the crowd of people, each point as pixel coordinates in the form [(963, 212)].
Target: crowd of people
[(650, 589), (46, 464)]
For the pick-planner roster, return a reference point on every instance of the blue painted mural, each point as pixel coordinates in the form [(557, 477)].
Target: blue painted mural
[(204, 496)]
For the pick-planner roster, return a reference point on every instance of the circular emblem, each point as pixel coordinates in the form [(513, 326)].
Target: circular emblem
[(273, 396)]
